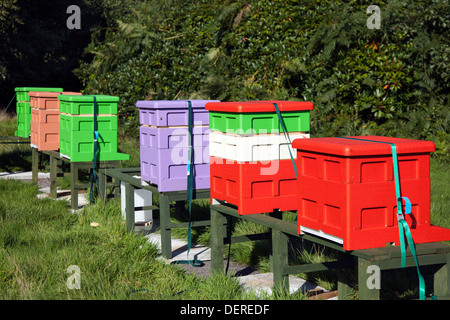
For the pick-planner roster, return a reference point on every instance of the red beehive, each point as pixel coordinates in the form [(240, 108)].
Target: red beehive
[(44, 125), (346, 190), (254, 187)]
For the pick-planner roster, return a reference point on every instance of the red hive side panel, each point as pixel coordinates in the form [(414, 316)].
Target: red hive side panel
[(254, 187)]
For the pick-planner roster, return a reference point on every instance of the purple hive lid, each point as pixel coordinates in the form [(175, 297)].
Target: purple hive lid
[(172, 104)]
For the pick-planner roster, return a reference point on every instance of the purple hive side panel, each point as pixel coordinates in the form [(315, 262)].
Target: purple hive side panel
[(161, 167), (145, 165), (168, 138), (172, 112), (177, 117), (146, 116)]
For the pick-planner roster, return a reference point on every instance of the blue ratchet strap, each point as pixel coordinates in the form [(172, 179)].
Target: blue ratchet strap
[(190, 189), (403, 227), (94, 166), (286, 135)]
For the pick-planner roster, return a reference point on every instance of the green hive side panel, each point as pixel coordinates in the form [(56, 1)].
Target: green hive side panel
[(23, 125), (260, 122), (83, 123), (22, 92), (76, 104), (23, 107), (79, 146)]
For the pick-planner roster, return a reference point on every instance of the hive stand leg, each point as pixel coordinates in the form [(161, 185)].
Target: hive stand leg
[(34, 165), (365, 285), (345, 291), (217, 245), (102, 182), (129, 207), (166, 232), (73, 182), (53, 175), (442, 280), (280, 259)]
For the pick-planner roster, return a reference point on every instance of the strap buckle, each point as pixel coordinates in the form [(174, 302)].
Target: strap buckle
[(400, 215)]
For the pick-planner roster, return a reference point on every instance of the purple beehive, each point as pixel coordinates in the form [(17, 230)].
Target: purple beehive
[(164, 143)]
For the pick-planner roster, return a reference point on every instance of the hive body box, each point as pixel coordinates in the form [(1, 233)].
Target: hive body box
[(23, 109), (44, 126), (164, 143), (346, 190), (77, 128), (251, 166)]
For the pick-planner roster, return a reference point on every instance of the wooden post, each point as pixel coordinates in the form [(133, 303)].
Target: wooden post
[(442, 280), (280, 259), (166, 233), (345, 292), (129, 207), (366, 291), (53, 176), (217, 235), (73, 182), (34, 165)]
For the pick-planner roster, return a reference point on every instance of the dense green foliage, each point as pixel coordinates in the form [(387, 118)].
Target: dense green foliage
[(388, 81)]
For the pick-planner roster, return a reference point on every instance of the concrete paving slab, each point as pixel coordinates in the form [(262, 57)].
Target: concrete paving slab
[(180, 247), (263, 283), (83, 198), (23, 175)]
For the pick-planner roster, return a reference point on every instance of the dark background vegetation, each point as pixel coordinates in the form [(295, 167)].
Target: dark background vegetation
[(391, 81)]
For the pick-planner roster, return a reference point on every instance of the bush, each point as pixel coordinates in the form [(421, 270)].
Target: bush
[(388, 81)]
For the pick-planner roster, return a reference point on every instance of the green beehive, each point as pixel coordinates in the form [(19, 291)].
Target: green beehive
[(23, 108), (259, 122), (77, 128)]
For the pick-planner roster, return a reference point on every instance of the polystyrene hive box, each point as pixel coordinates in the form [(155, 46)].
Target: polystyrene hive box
[(84, 104), (169, 113), (168, 138), (23, 107), (254, 187), (47, 100), (86, 123), (78, 146), (259, 116), (44, 129), (167, 168), (346, 190), (253, 147), (23, 125), (22, 92)]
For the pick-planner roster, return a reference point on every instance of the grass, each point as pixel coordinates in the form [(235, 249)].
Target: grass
[(40, 239)]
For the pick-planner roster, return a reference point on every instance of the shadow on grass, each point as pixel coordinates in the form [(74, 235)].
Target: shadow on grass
[(15, 161)]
